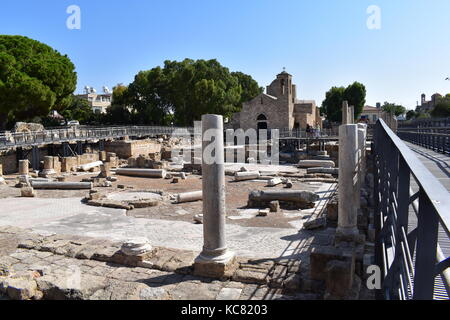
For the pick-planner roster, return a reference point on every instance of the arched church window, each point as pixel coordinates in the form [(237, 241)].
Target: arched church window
[(262, 117)]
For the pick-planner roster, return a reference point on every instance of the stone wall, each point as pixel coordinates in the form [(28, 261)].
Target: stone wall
[(128, 149), (9, 160), (277, 114)]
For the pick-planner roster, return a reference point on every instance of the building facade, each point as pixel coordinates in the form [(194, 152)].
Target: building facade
[(277, 108), (99, 102), (370, 115), (428, 106)]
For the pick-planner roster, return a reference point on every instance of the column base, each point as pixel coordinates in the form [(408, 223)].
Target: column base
[(349, 235), (47, 172), (221, 266)]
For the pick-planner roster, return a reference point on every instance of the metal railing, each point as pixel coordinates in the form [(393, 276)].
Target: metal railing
[(302, 133), (73, 134), (433, 134), (82, 133), (407, 248)]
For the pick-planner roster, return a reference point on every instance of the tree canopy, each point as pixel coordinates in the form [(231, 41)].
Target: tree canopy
[(396, 109), (78, 109), (180, 92), (34, 79), (442, 109), (355, 94)]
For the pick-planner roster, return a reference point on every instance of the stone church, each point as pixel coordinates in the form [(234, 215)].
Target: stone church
[(277, 108)]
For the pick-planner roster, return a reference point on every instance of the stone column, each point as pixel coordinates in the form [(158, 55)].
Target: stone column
[(359, 166), (345, 113), (362, 139), (348, 157), (23, 167), (215, 259), (2, 180), (351, 115), (48, 166)]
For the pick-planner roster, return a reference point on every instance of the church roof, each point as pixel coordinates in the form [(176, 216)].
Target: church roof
[(268, 95), (304, 101)]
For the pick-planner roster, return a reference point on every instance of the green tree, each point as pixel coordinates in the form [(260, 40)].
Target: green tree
[(34, 79), (396, 109), (120, 95), (355, 94), (78, 109), (411, 114), (249, 87), (442, 109), (181, 92), (332, 105)]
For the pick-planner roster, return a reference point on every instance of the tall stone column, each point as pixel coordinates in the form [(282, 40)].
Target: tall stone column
[(215, 259), (351, 115), (362, 139), (359, 165), (348, 158), (23, 167), (345, 113)]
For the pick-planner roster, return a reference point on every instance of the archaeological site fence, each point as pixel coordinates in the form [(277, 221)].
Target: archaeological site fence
[(412, 212), (433, 134), (82, 133)]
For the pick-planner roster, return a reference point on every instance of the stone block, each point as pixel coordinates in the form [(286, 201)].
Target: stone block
[(27, 192), (320, 256), (20, 289), (339, 279), (315, 224), (332, 210), (274, 206), (215, 269)]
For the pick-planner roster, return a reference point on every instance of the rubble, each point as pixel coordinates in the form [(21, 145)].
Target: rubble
[(61, 185), (90, 166), (189, 196), (27, 192), (148, 173), (198, 218), (315, 224), (332, 171), (315, 164), (275, 182), (136, 247), (248, 175), (300, 199)]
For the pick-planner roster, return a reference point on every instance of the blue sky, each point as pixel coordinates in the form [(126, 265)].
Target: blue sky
[(322, 43)]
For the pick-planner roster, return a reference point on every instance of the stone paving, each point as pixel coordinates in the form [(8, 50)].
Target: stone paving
[(71, 216), (74, 267)]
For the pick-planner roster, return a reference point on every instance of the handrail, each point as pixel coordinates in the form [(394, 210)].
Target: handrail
[(433, 134), (398, 246), (82, 133), (438, 194)]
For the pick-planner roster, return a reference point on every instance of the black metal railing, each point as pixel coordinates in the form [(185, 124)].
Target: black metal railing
[(24, 139), (433, 134), (411, 225), (82, 133)]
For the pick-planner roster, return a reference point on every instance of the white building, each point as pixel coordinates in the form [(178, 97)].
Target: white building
[(98, 101)]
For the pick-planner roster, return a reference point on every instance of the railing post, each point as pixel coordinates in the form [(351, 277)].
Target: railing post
[(427, 236)]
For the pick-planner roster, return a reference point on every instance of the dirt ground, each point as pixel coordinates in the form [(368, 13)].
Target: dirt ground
[(236, 198)]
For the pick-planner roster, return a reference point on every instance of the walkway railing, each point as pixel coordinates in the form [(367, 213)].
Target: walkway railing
[(81, 133), (408, 250), (433, 134), (24, 139)]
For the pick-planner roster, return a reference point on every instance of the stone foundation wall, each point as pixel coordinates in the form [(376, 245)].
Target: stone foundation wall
[(127, 149)]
